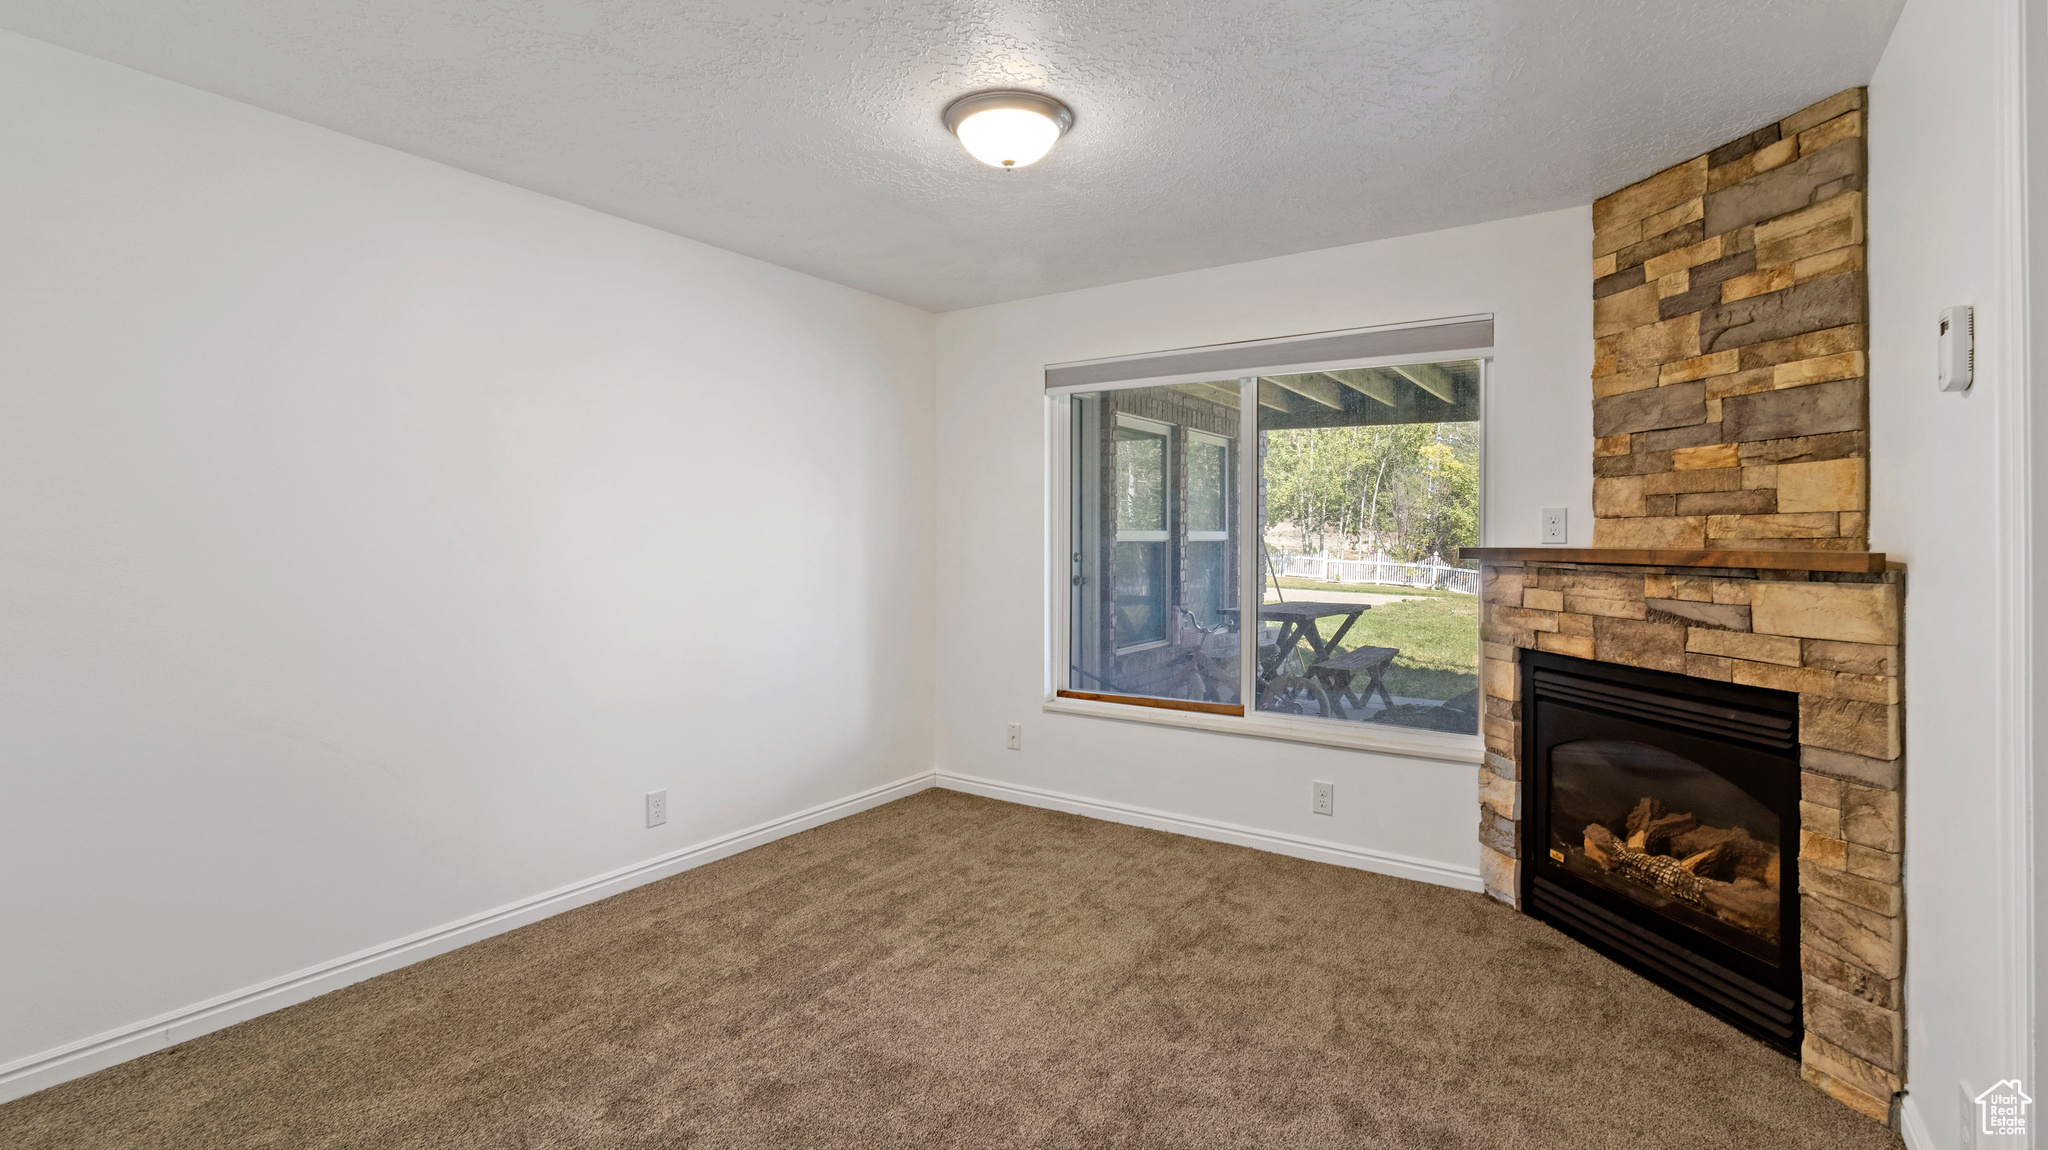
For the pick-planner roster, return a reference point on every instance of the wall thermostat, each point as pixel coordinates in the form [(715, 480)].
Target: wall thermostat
[(1958, 360)]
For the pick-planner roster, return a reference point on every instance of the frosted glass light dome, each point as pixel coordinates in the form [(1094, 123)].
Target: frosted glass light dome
[(1008, 130)]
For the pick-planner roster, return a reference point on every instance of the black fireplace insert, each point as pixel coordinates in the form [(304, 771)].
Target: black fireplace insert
[(1662, 815)]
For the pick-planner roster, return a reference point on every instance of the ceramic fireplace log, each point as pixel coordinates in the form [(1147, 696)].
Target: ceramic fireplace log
[(1750, 901)]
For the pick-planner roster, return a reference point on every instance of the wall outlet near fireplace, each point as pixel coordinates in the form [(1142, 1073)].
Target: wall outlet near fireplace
[(1325, 800), (1554, 533)]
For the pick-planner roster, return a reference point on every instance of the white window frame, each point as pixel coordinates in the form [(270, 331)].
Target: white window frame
[(1407, 742)]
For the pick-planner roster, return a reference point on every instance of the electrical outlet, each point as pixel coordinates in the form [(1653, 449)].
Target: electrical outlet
[(1013, 737), (1325, 802), (657, 808), (1554, 533)]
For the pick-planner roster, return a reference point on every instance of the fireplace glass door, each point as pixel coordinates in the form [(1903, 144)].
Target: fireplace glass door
[(1659, 812), (1670, 835)]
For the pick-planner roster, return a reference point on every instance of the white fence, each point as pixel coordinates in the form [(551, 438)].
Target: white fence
[(1435, 573)]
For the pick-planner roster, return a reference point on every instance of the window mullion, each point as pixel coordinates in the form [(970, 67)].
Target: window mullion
[(1250, 586)]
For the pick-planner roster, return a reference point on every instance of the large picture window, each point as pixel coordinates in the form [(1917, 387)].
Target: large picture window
[(1279, 543)]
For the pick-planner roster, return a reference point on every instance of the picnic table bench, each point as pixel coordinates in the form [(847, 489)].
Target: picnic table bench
[(1339, 675)]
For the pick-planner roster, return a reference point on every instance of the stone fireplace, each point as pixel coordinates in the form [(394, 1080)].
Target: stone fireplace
[(1730, 553)]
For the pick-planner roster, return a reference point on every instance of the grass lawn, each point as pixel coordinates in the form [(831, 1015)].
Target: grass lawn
[(1438, 638)]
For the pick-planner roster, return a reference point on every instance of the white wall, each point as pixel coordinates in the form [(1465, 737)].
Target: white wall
[(1941, 491), (373, 535), (1530, 272), (2034, 58)]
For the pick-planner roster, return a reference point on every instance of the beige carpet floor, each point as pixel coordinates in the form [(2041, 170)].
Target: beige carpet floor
[(948, 971)]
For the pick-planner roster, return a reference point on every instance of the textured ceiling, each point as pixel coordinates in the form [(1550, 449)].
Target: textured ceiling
[(1206, 133)]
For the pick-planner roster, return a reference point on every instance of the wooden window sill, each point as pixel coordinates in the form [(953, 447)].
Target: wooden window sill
[(1162, 704)]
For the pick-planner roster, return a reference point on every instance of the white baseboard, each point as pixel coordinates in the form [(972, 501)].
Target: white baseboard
[(74, 1060), (1296, 846), (1913, 1127)]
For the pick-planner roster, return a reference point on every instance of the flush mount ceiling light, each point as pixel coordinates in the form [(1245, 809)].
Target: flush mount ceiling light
[(1008, 129)]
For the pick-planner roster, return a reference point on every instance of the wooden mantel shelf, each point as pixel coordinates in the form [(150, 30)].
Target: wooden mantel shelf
[(1868, 562)]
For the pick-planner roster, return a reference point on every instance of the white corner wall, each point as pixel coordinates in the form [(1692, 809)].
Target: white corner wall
[(1947, 496), (1404, 815), (373, 535)]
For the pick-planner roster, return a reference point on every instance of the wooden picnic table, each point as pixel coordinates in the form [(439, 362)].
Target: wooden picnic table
[(1298, 621)]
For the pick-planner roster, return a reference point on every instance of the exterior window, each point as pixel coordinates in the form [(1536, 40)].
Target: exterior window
[(1141, 474), (1209, 558), (1281, 543)]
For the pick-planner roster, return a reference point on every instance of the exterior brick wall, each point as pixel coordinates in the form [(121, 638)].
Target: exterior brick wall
[(1157, 668), (1730, 349)]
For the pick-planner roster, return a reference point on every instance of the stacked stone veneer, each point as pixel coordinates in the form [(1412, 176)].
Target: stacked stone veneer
[(1730, 345), (1730, 414), (1833, 639)]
